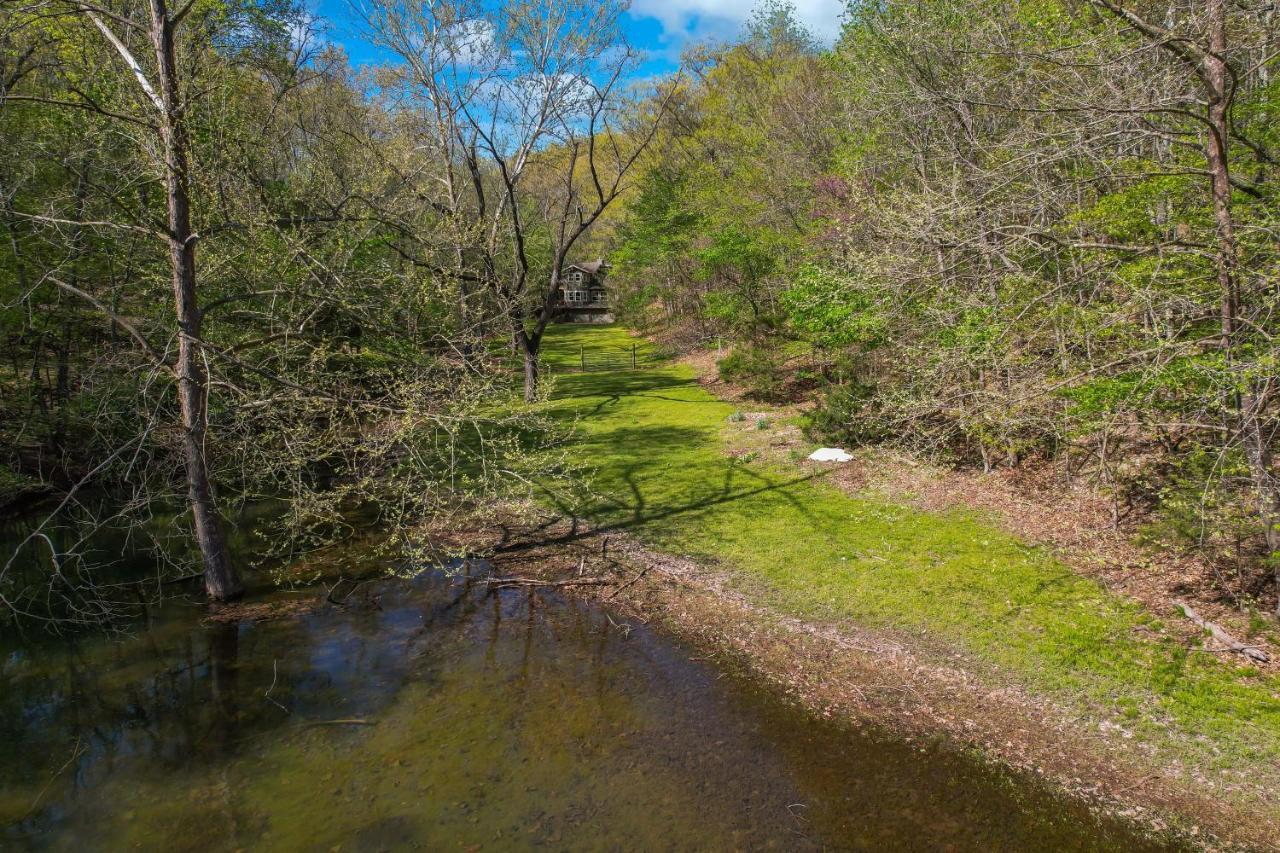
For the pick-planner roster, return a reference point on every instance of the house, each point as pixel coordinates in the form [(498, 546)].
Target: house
[(583, 298)]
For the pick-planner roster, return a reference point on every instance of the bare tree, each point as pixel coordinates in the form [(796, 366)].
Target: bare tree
[(167, 100), (507, 95)]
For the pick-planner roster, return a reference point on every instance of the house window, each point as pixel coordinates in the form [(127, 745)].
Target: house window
[(576, 297), (597, 297)]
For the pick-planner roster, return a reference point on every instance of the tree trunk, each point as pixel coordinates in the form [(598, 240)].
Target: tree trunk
[(1258, 455), (1248, 406), (529, 349), (220, 581), (62, 390)]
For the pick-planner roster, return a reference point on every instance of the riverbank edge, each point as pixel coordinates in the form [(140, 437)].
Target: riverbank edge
[(896, 684)]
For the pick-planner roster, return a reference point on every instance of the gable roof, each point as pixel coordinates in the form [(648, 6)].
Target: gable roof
[(591, 267)]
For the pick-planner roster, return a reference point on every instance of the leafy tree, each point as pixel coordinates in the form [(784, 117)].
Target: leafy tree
[(1014, 229)]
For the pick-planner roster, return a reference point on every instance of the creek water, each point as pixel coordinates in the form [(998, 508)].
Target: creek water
[(436, 714)]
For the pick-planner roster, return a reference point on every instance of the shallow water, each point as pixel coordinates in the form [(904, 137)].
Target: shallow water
[(486, 722)]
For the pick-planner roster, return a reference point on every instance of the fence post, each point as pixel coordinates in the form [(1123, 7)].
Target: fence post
[(582, 357), (633, 356)]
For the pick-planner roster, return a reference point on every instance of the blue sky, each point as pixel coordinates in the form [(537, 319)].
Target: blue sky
[(661, 28)]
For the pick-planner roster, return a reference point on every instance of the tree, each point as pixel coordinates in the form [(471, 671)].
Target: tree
[(168, 110), (1198, 44), (757, 119), (306, 364), (501, 93)]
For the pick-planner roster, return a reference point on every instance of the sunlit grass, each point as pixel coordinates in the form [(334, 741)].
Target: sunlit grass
[(655, 437)]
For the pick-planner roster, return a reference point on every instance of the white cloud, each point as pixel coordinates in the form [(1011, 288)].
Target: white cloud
[(685, 19), (472, 40), (308, 33)]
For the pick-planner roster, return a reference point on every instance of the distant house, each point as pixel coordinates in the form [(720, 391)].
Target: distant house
[(583, 298)]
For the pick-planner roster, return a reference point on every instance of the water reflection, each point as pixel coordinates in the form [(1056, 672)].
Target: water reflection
[(433, 714)]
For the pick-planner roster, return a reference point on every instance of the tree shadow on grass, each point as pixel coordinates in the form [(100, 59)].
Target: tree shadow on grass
[(644, 448), (634, 382), (646, 493), (641, 514)]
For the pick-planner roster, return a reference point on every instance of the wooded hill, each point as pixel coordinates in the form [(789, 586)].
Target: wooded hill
[(997, 233), (1000, 234), (238, 270)]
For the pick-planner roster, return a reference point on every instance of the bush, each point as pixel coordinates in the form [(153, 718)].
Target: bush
[(1204, 501), (849, 413), (757, 369)]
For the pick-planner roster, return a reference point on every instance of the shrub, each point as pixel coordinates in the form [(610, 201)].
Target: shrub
[(757, 369), (849, 413)]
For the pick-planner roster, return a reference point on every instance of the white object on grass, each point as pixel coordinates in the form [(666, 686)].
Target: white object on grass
[(830, 454)]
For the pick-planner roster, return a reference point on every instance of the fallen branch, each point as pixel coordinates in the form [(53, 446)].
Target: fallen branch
[(1228, 642), (342, 602), (534, 582), (267, 695), (644, 572), (76, 752)]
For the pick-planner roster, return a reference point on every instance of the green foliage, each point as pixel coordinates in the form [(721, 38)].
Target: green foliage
[(973, 333), (1128, 215), (658, 226), (751, 257), (14, 486), (756, 368), (849, 413), (832, 310), (1200, 500), (1181, 386), (346, 378), (1022, 261)]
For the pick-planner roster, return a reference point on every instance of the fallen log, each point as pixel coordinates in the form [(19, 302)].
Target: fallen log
[(535, 582), (1228, 642)]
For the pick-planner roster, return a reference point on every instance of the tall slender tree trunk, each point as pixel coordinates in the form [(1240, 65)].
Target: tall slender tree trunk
[(62, 386), (220, 580), (530, 376), (1248, 404)]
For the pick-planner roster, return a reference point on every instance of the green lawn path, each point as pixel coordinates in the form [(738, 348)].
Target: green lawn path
[(816, 552)]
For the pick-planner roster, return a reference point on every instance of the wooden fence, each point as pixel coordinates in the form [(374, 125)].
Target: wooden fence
[(614, 358)]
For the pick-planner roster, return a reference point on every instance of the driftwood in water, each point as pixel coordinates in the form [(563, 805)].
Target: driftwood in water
[(534, 582), (1228, 642)]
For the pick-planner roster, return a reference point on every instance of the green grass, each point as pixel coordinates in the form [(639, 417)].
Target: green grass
[(814, 551)]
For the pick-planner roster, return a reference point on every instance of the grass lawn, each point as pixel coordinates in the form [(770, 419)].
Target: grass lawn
[(816, 552)]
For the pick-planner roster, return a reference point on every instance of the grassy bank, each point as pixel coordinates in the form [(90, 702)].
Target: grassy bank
[(813, 551)]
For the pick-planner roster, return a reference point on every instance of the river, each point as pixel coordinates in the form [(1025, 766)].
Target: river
[(436, 714)]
